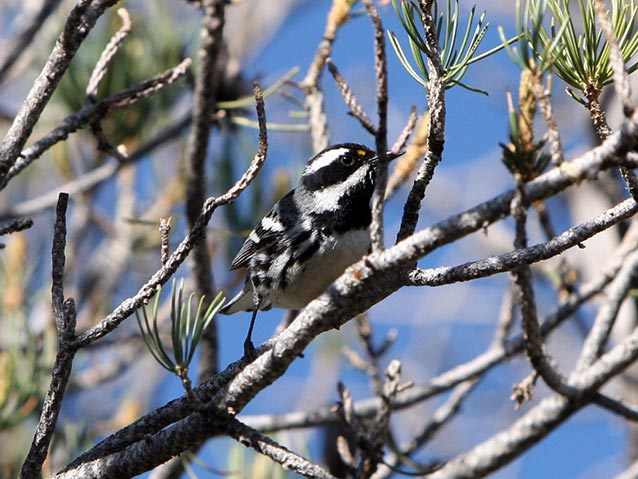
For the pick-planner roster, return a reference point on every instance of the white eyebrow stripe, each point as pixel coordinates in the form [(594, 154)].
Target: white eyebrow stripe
[(325, 159)]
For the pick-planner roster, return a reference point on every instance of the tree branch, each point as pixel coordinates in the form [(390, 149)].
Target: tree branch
[(206, 80), (381, 135), (94, 112), (16, 225), (64, 312), (574, 236), (92, 178), (607, 314), (436, 133), (161, 276), (281, 455), (338, 15), (78, 25)]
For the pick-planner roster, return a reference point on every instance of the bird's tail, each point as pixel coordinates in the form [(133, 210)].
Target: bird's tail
[(243, 301)]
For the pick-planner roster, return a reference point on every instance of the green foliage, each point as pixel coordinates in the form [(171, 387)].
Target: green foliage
[(579, 52), (456, 55), (186, 328), (534, 50), (147, 51), (25, 355), (520, 158), (25, 359)]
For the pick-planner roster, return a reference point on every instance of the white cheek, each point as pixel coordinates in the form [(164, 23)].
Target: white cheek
[(327, 199)]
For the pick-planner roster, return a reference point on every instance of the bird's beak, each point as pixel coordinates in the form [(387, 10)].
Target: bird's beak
[(392, 155)]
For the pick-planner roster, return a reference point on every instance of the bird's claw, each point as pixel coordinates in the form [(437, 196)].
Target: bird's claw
[(249, 350)]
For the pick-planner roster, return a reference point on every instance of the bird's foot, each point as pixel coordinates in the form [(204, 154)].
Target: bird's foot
[(250, 352)]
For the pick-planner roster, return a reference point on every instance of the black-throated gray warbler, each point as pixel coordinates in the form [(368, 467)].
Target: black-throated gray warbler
[(311, 235)]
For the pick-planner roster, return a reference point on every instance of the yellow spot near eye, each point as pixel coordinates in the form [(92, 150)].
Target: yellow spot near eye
[(361, 152)]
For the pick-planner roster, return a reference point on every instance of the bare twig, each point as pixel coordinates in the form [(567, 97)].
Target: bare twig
[(607, 314), (373, 353), (92, 112), (128, 306), (349, 99), (574, 236), (165, 231), (338, 15), (443, 414), (405, 134), (64, 312), (206, 79), (100, 174), (15, 226), (406, 164), (381, 135), (371, 366), (610, 364), (278, 453), (535, 349), (617, 406), (107, 55), (58, 260), (524, 390), (436, 131), (505, 318), (103, 144)]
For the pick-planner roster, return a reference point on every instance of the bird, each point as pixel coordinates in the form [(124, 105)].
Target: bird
[(310, 236)]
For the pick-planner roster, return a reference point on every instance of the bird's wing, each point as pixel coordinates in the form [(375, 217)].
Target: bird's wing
[(269, 232), (259, 239), (247, 251)]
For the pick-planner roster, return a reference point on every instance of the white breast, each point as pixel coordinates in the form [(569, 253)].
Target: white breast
[(327, 264)]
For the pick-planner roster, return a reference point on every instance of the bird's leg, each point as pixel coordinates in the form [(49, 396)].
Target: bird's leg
[(249, 347)]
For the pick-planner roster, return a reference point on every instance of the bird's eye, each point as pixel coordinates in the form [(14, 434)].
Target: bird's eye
[(347, 160)]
